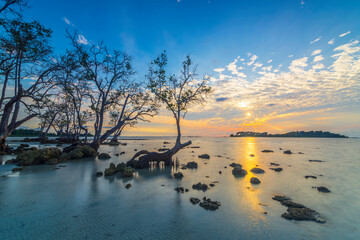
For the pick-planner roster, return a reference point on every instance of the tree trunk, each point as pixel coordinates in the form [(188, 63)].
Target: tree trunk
[(166, 157)]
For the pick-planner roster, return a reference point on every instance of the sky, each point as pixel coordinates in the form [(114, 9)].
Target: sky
[(275, 66)]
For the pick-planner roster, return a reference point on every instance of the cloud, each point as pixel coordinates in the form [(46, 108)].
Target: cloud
[(68, 22), (302, 2), (316, 40), (316, 52), (318, 58), (252, 60), (219, 70), (298, 64), (344, 34), (221, 99), (290, 56), (269, 61), (318, 66), (82, 40), (331, 42)]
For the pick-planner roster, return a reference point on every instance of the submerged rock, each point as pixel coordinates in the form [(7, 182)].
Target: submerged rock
[(194, 200), (257, 170), (267, 151), (180, 189), (310, 176), (205, 156), (209, 205), (98, 174), (280, 197), (287, 152), (274, 164), (279, 169), (104, 156), (127, 172), (178, 175), (78, 152), (255, 180), (35, 157), (235, 165), (111, 170), (323, 189), (128, 186), (192, 165), (316, 160), (200, 186), (238, 171)]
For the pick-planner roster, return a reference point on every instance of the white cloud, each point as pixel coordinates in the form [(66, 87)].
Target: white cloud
[(316, 52), (331, 42), (318, 58), (318, 66), (290, 56), (297, 65), (252, 60), (344, 34), (302, 2), (219, 70), (68, 22), (269, 61), (316, 40), (82, 40)]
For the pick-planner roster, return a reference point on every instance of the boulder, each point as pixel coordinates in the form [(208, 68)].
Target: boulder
[(178, 175), (111, 170), (303, 214), (279, 169), (255, 180), (128, 186), (267, 151), (257, 170), (35, 157), (191, 165), (235, 165), (200, 186), (205, 156), (238, 171), (194, 200), (104, 156), (287, 152), (323, 189), (127, 172), (180, 189), (280, 197), (209, 205)]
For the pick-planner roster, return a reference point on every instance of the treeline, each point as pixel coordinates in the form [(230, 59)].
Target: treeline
[(35, 133), (89, 86), (313, 134)]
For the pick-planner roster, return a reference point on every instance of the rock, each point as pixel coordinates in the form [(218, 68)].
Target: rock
[(212, 185), (195, 147), (64, 157), (310, 176), (135, 149), (205, 156), (280, 197), (287, 152), (194, 200), (303, 214), (17, 169), (183, 167), (178, 175), (52, 161), (267, 151), (300, 153), (191, 165), (128, 172), (274, 164), (289, 203), (255, 180), (35, 157), (238, 171), (235, 165), (128, 186), (323, 189), (111, 170), (180, 189), (279, 169), (104, 156), (252, 155), (98, 174), (200, 186), (122, 153), (220, 172), (117, 154), (166, 142), (257, 170), (11, 161), (120, 167), (316, 161), (210, 205)]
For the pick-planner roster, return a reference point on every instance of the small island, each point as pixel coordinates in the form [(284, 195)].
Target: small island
[(298, 134)]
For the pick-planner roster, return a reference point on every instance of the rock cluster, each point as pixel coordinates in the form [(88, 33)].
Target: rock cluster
[(49, 156), (298, 211), (200, 186), (120, 168), (178, 175), (209, 205)]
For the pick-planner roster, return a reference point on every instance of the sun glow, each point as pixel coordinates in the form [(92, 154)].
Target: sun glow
[(248, 114)]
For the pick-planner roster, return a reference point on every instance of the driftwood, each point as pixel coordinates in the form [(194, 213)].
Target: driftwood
[(145, 157)]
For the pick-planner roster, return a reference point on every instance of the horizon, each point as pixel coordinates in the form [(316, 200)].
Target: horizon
[(277, 66)]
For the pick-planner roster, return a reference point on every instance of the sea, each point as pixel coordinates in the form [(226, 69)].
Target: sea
[(43, 202)]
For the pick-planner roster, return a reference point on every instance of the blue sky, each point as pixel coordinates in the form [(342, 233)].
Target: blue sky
[(274, 35)]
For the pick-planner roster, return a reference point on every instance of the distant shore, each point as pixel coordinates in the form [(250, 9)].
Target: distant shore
[(297, 134)]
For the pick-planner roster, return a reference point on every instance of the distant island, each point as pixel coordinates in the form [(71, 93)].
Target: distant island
[(302, 134)]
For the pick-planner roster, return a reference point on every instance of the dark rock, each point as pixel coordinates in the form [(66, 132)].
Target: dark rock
[(127, 172), (287, 152), (267, 151), (116, 154), (122, 153), (128, 186), (212, 185), (235, 165), (274, 164), (279, 169), (111, 170), (166, 142), (303, 214), (11, 161), (195, 147), (300, 153), (316, 161), (323, 189), (280, 197), (257, 170), (310, 176), (210, 205), (194, 200), (121, 167), (98, 174), (200, 186), (289, 203), (35, 157), (178, 175), (191, 165), (104, 156), (238, 171), (252, 155), (78, 152), (113, 143), (180, 189), (255, 180), (183, 167), (205, 156), (220, 172), (52, 161)]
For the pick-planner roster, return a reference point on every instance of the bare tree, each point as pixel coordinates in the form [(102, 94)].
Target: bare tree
[(12, 6), (24, 61), (177, 93)]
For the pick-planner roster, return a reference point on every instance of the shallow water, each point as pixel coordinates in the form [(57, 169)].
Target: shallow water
[(71, 203)]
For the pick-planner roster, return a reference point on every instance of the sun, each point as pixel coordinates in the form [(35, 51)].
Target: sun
[(248, 114)]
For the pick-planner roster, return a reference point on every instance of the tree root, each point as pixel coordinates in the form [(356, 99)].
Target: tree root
[(145, 157)]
